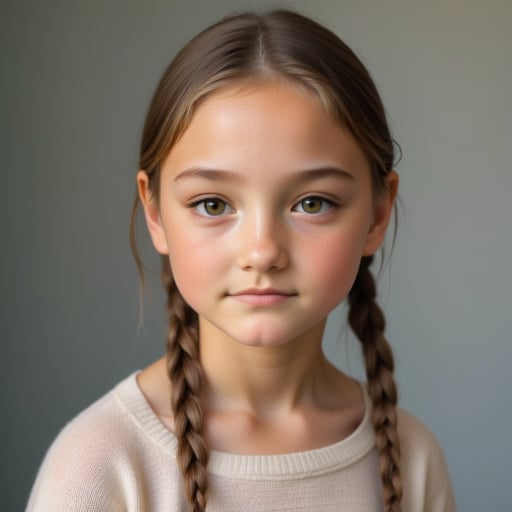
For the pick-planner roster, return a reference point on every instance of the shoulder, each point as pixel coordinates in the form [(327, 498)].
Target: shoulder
[(414, 435), (99, 430), (92, 463), (424, 471)]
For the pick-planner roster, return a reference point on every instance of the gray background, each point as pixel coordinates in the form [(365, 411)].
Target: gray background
[(76, 81)]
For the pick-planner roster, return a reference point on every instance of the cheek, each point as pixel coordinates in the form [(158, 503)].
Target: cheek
[(335, 264), (194, 263), (336, 270)]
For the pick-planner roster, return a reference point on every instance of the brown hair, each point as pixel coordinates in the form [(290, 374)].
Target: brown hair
[(286, 46)]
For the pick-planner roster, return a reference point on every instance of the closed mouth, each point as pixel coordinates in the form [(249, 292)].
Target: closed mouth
[(262, 296), (263, 291)]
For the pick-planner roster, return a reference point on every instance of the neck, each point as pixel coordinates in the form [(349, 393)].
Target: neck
[(263, 380)]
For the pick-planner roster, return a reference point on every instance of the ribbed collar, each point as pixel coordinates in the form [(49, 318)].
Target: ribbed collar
[(256, 467)]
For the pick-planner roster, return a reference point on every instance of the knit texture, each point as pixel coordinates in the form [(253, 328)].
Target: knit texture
[(117, 456)]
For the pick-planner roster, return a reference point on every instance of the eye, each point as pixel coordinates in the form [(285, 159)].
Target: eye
[(211, 207), (313, 205)]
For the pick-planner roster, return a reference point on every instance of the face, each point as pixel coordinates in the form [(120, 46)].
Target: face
[(265, 210)]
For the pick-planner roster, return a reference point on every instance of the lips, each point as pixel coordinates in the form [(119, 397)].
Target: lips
[(262, 296)]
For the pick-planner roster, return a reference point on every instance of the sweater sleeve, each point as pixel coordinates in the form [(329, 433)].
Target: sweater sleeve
[(425, 477), (83, 470), (439, 496), (67, 484)]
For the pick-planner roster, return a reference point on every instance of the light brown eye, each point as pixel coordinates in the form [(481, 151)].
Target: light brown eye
[(214, 206), (312, 204), (211, 207)]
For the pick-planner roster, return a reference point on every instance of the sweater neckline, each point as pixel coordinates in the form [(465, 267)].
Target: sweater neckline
[(260, 467)]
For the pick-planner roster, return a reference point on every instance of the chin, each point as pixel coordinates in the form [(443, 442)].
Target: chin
[(266, 336)]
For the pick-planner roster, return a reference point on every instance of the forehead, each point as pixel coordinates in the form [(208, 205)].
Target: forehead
[(265, 98), (271, 125)]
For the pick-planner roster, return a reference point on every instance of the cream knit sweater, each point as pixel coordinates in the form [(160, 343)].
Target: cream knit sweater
[(118, 456)]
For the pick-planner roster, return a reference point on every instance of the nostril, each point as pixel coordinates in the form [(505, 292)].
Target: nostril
[(263, 257)]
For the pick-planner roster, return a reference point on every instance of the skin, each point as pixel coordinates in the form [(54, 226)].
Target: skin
[(265, 209)]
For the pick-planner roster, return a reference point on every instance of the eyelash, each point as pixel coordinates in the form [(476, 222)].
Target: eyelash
[(327, 204), (199, 205)]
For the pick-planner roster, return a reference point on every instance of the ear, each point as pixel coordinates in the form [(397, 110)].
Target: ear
[(381, 214), (151, 213)]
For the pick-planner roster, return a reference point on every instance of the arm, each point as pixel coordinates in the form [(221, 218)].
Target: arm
[(425, 477)]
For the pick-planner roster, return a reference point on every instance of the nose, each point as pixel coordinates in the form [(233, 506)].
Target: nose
[(262, 245)]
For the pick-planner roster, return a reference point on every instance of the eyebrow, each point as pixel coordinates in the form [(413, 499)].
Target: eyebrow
[(209, 174), (233, 177)]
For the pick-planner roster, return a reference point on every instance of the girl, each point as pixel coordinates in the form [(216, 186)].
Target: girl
[(267, 186)]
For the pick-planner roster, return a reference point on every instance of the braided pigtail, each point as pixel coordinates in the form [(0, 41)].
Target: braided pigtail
[(185, 375), (367, 321)]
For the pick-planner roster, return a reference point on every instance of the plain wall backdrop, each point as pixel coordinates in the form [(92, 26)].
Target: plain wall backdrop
[(76, 79)]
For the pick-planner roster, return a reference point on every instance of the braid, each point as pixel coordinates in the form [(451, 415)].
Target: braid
[(185, 375), (367, 321)]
